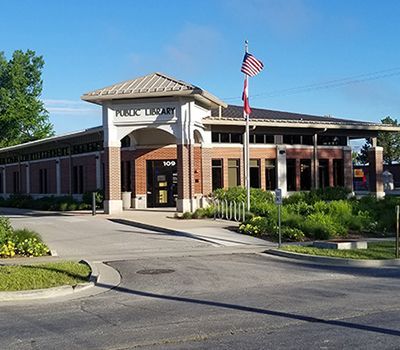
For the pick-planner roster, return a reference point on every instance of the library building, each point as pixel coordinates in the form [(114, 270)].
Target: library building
[(167, 143)]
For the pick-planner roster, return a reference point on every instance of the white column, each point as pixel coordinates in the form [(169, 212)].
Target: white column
[(98, 171), (58, 176)]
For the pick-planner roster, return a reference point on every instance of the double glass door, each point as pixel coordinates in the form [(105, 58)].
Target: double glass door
[(162, 183)]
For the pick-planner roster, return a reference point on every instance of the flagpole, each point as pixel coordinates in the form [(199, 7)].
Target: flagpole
[(247, 142)]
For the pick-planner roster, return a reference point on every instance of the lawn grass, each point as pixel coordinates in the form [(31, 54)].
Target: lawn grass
[(38, 276), (375, 251)]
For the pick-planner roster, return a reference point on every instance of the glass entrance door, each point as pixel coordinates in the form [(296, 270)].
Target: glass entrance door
[(162, 183)]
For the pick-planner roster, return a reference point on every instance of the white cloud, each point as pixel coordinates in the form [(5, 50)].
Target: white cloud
[(70, 107)]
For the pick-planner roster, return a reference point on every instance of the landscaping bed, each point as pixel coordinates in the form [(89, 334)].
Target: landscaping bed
[(22, 242), (375, 251), (40, 276), (316, 215), (53, 203)]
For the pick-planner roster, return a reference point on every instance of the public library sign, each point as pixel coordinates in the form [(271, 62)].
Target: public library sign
[(144, 112)]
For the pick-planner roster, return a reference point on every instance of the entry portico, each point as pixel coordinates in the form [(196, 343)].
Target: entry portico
[(158, 102)]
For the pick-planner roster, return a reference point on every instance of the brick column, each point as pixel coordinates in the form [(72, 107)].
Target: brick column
[(330, 172), (185, 159), (262, 173), (375, 158), (206, 170), (112, 177), (348, 169)]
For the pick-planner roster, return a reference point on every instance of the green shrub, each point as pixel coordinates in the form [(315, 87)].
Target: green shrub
[(31, 247), (72, 206), (330, 193), (239, 194), (293, 220), (296, 197), (6, 229), (292, 234), (21, 242), (300, 208), (24, 233), (87, 198), (199, 213), (322, 226), (186, 215), (255, 226)]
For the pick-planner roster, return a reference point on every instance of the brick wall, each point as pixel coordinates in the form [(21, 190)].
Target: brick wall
[(50, 166)]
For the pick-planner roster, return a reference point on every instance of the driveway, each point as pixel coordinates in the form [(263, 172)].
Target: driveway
[(134, 234)]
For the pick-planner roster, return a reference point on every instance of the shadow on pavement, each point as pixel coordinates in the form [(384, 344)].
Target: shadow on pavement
[(172, 232), (255, 310)]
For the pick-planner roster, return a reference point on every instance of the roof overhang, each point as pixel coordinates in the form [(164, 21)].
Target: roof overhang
[(304, 124), (202, 96), (155, 85), (59, 138)]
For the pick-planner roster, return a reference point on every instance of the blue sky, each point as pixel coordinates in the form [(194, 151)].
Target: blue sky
[(90, 44)]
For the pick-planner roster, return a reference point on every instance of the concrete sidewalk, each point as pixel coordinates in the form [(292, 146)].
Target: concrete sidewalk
[(217, 232)]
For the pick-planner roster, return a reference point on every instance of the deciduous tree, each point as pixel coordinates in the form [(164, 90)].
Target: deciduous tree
[(23, 116)]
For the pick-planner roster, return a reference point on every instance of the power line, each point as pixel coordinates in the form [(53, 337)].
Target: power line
[(355, 79)]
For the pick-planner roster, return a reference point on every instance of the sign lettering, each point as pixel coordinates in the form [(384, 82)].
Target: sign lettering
[(144, 112)]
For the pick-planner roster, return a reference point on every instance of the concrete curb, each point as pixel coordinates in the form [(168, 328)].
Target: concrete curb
[(317, 259), (101, 274)]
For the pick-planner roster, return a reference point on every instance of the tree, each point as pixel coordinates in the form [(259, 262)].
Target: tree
[(23, 117), (390, 141), (362, 157)]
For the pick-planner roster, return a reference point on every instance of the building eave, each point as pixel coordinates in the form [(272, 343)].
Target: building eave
[(57, 138), (305, 124)]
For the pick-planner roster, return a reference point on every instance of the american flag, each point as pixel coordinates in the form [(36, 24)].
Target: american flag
[(251, 66)]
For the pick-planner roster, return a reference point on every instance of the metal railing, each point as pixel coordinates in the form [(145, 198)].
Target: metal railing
[(229, 210)]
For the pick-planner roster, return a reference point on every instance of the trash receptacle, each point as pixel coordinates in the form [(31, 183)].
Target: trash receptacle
[(126, 200)]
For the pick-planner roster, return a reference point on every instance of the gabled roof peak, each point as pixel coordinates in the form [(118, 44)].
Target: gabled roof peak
[(152, 85)]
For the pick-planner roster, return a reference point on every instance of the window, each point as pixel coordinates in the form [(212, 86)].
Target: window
[(77, 179), (326, 140), (226, 137), (261, 138), (1, 181), (126, 183), (338, 172), (16, 182), (305, 174), (270, 174), (236, 138), (217, 173), (298, 139), (291, 174), (43, 181), (255, 173), (233, 172), (323, 173)]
